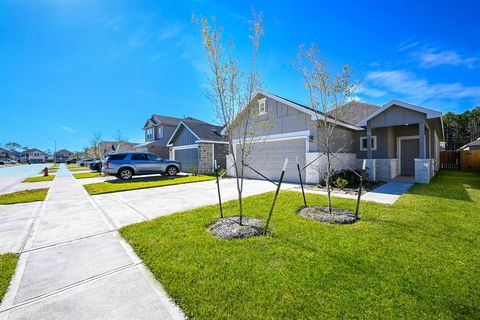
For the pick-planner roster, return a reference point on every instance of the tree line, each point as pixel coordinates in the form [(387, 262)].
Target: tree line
[(461, 128)]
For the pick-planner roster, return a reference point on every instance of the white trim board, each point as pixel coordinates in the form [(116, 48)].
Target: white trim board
[(211, 141), (374, 146), (279, 137), (188, 146), (399, 150)]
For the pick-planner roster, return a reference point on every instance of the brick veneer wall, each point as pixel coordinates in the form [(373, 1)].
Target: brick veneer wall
[(205, 162)]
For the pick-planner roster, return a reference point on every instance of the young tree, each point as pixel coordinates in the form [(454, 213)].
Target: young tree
[(122, 141), (95, 140), (13, 146), (327, 93), (232, 90)]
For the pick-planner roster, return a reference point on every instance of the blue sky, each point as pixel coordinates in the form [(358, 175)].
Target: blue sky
[(68, 68)]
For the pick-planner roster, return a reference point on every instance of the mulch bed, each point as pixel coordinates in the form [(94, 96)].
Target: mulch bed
[(338, 216), (229, 228)]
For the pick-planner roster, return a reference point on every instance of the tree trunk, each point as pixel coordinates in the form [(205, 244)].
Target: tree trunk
[(328, 183)]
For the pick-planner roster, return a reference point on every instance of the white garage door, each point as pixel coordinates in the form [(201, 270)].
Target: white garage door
[(268, 158)]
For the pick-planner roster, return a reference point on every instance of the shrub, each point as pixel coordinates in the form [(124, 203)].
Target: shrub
[(340, 182), (192, 170), (222, 172), (349, 175)]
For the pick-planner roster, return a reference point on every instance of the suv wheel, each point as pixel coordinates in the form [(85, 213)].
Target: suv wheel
[(125, 174), (172, 171)]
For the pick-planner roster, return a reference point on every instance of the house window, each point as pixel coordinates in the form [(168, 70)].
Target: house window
[(160, 132), (363, 143), (262, 106), (149, 134)]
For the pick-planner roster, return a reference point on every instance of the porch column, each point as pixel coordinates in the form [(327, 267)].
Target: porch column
[(421, 139), (369, 140)]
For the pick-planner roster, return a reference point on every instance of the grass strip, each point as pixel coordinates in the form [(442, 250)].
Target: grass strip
[(87, 175), (141, 183), (39, 178), (8, 262), (24, 196)]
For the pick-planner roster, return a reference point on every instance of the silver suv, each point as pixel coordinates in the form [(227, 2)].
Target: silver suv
[(125, 165)]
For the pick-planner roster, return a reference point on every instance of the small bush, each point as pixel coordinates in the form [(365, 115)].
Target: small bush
[(193, 170), (222, 172), (352, 177), (340, 182)]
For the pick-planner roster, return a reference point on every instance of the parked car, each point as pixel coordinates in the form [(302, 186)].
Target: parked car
[(84, 162), (96, 165), (126, 165), (71, 161)]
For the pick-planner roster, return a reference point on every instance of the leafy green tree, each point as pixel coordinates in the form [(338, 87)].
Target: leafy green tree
[(461, 128)]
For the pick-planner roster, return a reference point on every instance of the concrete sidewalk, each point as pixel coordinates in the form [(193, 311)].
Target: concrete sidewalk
[(75, 265), (388, 193)]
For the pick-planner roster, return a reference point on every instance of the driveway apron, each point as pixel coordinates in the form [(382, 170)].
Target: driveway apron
[(75, 265)]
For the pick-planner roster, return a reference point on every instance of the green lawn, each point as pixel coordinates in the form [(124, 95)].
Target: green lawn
[(40, 178), (8, 261), (86, 175), (142, 183), (24, 196), (78, 168), (416, 259)]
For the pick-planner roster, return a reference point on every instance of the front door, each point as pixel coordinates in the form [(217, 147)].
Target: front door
[(408, 154)]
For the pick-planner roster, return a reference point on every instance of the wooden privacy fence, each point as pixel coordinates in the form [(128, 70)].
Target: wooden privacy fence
[(460, 160)]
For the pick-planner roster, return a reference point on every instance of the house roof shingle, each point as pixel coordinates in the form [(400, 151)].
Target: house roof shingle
[(157, 119), (204, 130), (354, 111)]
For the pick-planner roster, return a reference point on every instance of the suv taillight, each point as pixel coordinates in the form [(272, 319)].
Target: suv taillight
[(107, 164)]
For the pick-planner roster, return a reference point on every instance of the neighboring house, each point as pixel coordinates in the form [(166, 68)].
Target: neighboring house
[(106, 147), (9, 154), (158, 130), (62, 155), (33, 156), (404, 139), (474, 145), (197, 144)]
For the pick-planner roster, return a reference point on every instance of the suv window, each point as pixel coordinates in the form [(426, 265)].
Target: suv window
[(152, 157), (116, 157), (139, 156)]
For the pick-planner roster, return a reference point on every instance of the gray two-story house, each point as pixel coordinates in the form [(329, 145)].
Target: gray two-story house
[(396, 139), (198, 145), (158, 130)]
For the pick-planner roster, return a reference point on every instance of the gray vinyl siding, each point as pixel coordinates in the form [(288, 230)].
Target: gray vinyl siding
[(183, 137), (396, 116), (342, 140), (280, 119)]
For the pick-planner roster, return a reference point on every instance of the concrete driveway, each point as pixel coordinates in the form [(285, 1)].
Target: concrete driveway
[(123, 208)]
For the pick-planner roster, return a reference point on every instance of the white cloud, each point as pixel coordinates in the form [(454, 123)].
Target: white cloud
[(406, 85), (67, 129), (432, 57), (405, 46), (114, 23)]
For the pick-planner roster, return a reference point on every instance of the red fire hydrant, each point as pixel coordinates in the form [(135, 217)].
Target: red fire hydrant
[(45, 172)]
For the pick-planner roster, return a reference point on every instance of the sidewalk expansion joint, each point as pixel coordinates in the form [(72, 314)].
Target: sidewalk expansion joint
[(70, 287)]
